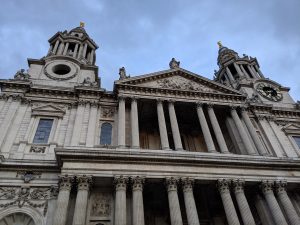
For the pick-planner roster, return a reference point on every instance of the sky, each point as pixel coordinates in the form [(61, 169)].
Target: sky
[(143, 35)]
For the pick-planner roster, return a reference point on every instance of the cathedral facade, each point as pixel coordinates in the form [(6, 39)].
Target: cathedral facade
[(165, 148)]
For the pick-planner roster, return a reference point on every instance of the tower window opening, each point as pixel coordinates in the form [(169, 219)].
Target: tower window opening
[(71, 48), (233, 71), (61, 69), (248, 71)]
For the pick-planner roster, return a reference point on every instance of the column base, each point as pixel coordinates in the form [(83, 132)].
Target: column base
[(179, 149), (214, 151), (226, 152), (166, 148), (135, 147)]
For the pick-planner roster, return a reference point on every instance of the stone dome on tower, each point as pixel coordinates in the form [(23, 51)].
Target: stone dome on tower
[(225, 54)]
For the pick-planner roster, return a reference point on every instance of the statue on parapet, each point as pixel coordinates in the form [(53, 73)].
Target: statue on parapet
[(21, 75), (87, 82), (174, 64), (122, 73)]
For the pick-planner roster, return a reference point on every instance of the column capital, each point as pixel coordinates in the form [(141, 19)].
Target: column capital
[(134, 98), (238, 185), (223, 185), (84, 182), (159, 100), (171, 101), (121, 98), (280, 186), (233, 107), (171, 183), (210, 106), (120, 183), (65, 182), (266, 186), (187, 184), (244, 109), (199, 104), (137, 183)]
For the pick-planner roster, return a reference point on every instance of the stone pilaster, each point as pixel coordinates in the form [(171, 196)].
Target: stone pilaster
[(267, 189), (121, 123), (242, 202), (135, 138), (224, 189), (65, 185), (285, 201), (137, 201), (174, 207), (217, 129), (90, 138), (189, 201), (78, 123), (83, 187), (174, 126), (162, 125), (205, 129), (120, 200)]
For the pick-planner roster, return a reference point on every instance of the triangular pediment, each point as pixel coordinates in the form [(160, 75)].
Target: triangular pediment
[(291, 128), (178, 79), (48, 110)]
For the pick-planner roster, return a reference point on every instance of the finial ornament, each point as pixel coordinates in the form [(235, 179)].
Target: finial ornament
[(82, 24), (220, 44)]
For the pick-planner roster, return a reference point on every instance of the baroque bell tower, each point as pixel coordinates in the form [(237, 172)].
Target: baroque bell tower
[(70, 60)]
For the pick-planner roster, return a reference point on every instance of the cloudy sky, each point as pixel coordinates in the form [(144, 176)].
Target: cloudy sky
[(144, 35)]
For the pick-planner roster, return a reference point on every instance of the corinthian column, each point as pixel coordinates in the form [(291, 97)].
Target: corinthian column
[(137, 201), (135, 139), (84, 183), (121, 122), (224, 189), (174, 207), (189, 201), (243, 134), (120, 201), (205, 129), (65, 184), (162, 125), (174, 127), (285, 201), (267, 189), (242, 202)]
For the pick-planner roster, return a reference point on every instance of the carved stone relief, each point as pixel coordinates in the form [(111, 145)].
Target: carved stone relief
[(101, 205), (108, 112), (37, 149), (27, 176)]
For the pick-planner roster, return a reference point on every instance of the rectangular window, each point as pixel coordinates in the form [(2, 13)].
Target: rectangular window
[(43, 131), (297, 140)]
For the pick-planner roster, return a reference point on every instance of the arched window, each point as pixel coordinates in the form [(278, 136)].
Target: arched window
[(106, 130)]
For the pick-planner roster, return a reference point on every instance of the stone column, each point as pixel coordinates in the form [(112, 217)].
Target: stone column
[(263, 211), (90, 138), (267, 189), (78, 123), (121, 123), (62, 204), (66, 48), (92, 56), (251, 71), (259, 72), (60, 48), (174, 207), (217, 129), (252, 131), (75, 51), (244, 71), (174, 127), (285, 201), (137, 201), (162, 125), (238, 69), (55, 46), (230, 74), (224, 189), (189, 201), (205, 129), (84, 50), (80, 51), (84, 183), (243, 134), (242, 202), (135, 138), (120, 200)]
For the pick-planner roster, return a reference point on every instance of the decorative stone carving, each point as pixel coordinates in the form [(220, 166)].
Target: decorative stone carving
[(187, 184), (120, 182), (122, 73), (266, 186), (137, 183), (171, 183), (223, 185), (84, 182), (27, 176), (21, 75), (37, 149), (108, 112), (174, 64), (87, 82), (101, 205), (280, 186), (238, 185), (65, 182)]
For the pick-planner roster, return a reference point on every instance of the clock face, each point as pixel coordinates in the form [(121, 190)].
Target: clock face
[(269, 92)]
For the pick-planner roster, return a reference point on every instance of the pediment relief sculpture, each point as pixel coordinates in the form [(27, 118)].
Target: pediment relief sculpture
[(291, 128), (48, 110)]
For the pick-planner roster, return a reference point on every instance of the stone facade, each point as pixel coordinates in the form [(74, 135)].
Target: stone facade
[(166, 148)]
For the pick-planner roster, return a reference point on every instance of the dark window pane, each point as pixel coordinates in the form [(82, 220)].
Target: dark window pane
[(43, 131), (106, 130), (297, 140)]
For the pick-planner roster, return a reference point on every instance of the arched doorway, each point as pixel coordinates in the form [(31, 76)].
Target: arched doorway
[(17, 219)]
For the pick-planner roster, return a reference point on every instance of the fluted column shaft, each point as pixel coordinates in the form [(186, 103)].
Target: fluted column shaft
[(238, 69), (63, 197), (174, 127), (243, 134), (120, 200), (162, 126), (75, 51), (121, 122), (267, 189), (231, 78), (253, 133), (66, 48), (243, 203), (217, 130), (55, 46), (135, 138), (205, 129), (189, 201), (285, 201), (81, 199), (137, 201), (231, 215), (174, 207)]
